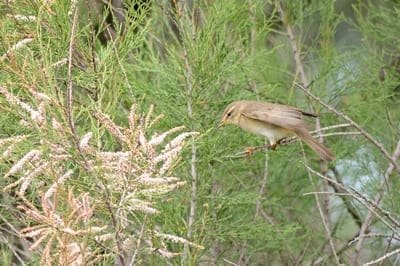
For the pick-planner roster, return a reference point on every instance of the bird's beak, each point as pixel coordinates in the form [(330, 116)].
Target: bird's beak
[(221, 123)]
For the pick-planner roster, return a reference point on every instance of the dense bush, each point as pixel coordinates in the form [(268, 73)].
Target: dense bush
[(109, 150)]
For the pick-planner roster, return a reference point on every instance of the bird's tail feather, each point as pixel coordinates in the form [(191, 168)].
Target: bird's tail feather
[(319, 148)]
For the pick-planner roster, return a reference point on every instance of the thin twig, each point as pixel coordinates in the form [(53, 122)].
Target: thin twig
[(347, 202), (377, 200), (356, 195), (388, 247), (324, 209), (70, 90), (180, 8), (286, 141), (387, 255), (331, 127), (14, 232), (69, 114), (92, 52), (231, 263), (326, 192), (258, 204), (340, 134), (376, 206), (353, 124), (324, 222), (139, 241), (372, 236), (300, 259), (243, 259)]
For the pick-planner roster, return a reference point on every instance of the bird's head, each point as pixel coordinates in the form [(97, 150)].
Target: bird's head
[(231, 114)]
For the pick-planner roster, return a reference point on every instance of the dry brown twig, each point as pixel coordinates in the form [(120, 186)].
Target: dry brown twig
[(300, 70), (304, 86), (377, 200), (324, 221), (384, 257), (69, 114), (360, 198), (291, 140), (379, 145)]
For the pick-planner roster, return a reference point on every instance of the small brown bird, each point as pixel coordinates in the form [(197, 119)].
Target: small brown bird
[(274, 121)]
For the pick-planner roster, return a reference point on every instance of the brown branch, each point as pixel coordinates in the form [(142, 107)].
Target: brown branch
[(92, 52), (69, 114), (139, 241), (387, 255), (388, 246), (322, 214), (324, 207), (377, 207), (243, 259), (284, 142), (355, 239), (304, 87), (353, 124), (331, 127), (355, 194), (347, 203), (377, 199)]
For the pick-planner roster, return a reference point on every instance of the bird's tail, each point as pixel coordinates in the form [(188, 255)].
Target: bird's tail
[(319, 148)]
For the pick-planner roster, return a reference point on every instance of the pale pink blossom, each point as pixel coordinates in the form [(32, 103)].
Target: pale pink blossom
[(20, 164), (27, 179)]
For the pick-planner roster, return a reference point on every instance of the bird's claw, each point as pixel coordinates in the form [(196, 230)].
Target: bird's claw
[(249, 151), (273, 146)]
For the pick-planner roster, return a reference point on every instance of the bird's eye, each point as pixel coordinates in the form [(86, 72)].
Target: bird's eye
[(229, 114)]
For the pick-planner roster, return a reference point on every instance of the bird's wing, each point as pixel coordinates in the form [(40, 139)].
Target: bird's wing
[(275, 114)]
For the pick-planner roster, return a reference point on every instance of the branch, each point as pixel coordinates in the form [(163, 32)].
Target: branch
[(139, 241), (362, 199), (353, 124), (387, 255), (69, 82), (324, 208), (371, 236), (331, 127), (377, 200), (323, 217), (287, 141), (350, 208), (180, 9), (69, 114)]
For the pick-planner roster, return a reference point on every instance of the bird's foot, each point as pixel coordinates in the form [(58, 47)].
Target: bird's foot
[(249, 151), (274, 145)]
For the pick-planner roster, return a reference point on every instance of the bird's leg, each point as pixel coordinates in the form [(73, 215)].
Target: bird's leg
[(249, 151), (272, 146), (275, 144)]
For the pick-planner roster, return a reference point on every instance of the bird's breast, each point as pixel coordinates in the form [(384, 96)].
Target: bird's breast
[(270, 131)]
